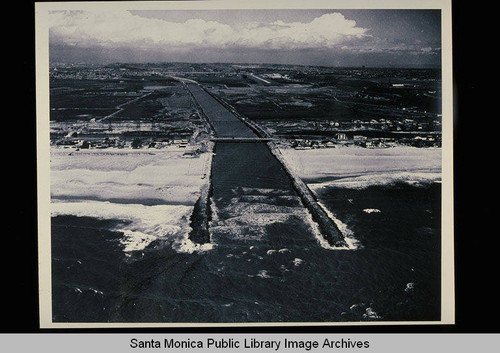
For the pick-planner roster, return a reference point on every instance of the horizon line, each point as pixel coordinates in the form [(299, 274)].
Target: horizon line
[(245, 63)]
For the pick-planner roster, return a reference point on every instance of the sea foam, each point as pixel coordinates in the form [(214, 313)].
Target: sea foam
[(141, 224), (351, 241), (382, 179), (371, 210)]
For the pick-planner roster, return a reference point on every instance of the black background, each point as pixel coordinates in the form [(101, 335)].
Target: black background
[(475, 157)]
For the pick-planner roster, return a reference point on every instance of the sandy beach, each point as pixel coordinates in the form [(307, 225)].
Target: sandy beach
[(152, 191), (357, 167)]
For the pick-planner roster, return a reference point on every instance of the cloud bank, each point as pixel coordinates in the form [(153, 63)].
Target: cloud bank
[(329, 39), (121, 29)]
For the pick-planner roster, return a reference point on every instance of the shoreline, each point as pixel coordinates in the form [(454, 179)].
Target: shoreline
[(322, 165), (102, 177), (169, 176)]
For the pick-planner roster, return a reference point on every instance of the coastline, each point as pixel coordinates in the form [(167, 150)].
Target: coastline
[(152, 192), (155, 190), (320, 166)]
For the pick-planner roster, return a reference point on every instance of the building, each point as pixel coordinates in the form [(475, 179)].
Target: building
[(341, 136)]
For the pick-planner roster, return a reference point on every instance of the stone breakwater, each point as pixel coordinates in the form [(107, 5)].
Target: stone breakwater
[(327, 226)]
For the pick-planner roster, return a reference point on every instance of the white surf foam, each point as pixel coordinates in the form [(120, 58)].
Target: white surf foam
[(264, 191), (371, 210), (249, 220), (263, 274), (351, 241), (383, 179), (187, 246), (371, 314), (142, 224)]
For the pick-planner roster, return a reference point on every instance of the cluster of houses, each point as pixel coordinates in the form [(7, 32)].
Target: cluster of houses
[(365, 142), (381, 124), (306, 144), (75, 141)]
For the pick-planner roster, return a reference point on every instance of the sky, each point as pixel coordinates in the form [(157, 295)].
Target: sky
[(373, 38)]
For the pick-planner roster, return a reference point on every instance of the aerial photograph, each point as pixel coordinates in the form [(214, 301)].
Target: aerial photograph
[(245, 166)]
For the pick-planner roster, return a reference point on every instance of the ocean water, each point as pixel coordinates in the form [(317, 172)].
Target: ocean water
[(266, 261)]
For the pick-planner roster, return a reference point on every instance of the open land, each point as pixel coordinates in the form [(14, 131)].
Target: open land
[(130, 146)]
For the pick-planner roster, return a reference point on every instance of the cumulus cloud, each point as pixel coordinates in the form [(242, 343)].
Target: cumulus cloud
[(122, 29)]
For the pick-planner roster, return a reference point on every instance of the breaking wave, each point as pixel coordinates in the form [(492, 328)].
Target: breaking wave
[(383, 179), (141, 224), (351, 241)]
